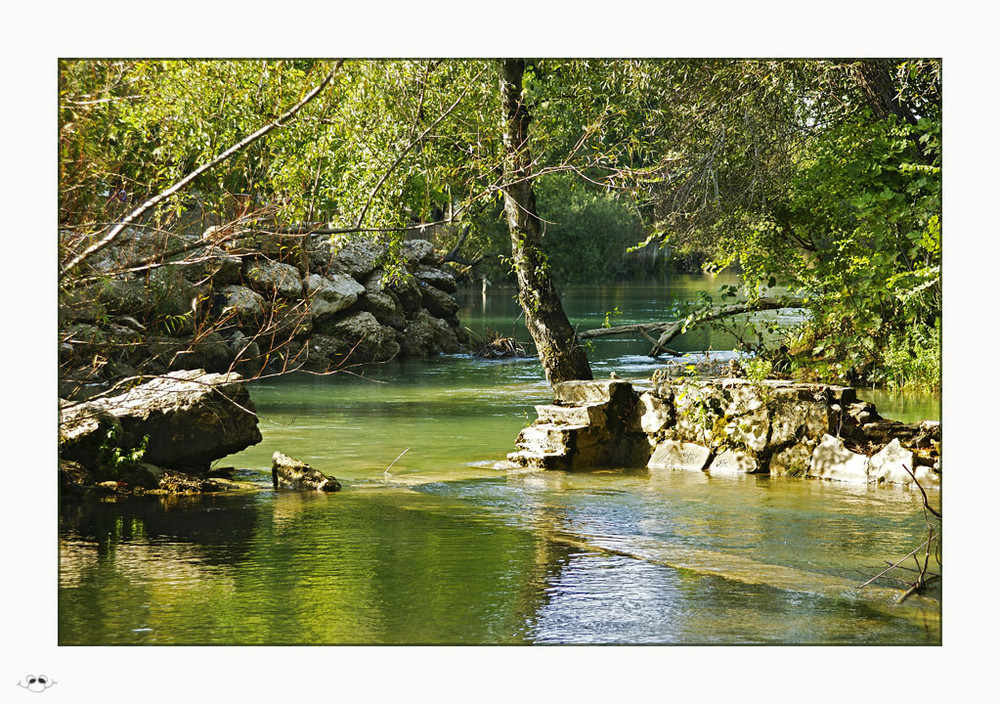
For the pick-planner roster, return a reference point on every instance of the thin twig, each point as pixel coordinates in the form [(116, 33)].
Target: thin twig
[(386, 472)]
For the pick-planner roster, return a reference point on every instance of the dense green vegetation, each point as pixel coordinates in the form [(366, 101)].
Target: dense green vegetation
[(820, 175)]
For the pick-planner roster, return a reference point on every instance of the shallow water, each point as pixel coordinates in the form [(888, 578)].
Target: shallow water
[(444, 548)]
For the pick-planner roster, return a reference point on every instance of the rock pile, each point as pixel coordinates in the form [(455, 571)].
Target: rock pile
[(265, 304), (730, 425)]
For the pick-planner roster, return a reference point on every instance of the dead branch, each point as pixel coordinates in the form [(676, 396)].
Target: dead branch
[(669, 330)]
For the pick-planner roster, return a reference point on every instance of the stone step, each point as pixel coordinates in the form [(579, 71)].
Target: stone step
[(548, 437), (540, 460), (588, 414), (584, 392)]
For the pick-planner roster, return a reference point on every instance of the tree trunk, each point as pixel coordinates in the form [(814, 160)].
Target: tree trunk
[(875, 81), (562, 357)]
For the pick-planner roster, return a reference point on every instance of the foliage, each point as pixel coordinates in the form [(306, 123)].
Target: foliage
[(112, 459), (859, 237), (800, 172), (586, 232)]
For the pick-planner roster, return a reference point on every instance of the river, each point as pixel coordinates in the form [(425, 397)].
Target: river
[(445, 549)]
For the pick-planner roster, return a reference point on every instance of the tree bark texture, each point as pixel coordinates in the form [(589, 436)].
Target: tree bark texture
[(875, 81), (562, 357)]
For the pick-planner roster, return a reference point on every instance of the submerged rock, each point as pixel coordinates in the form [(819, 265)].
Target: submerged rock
[(290, 473)]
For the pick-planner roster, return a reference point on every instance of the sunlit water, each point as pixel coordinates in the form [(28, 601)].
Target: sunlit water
[(445, 549)]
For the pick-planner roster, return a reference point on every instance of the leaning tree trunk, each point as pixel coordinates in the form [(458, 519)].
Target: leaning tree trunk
[(562, 357)]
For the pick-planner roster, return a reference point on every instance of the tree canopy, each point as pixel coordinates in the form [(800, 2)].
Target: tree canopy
[(822, 175)]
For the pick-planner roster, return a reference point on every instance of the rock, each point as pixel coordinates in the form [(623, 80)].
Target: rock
[(438, 278), (385, 307), (418, 252), (360, 258), (290, 473), (437, 302), (672, 454), (793, 461), (332, 294), (889, 466), (427, 336), (209, 352), (733, 462), (247, 359), (831, 460), (360, 336), (248, 307), (407, 290), (266, 277), (123, 296), (220, 266), (191, 418), (656, 413)]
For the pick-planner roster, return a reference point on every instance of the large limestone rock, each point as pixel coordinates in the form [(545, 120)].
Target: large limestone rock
[(190, 417), (438, 278), (831, 460), (267, 276), (592, 424), (418, 251), (437, 302), (728, 426), (248, 306), (290, 473), (332, 294), (360, 258), (734, 462), (385, 307), (656, 413), (357, 338), (674, 454), (426, 336)]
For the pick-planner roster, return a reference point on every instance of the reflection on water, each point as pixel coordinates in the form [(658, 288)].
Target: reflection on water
[(446, 549)]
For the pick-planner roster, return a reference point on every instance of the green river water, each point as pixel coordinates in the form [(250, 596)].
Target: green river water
[(446, 549)]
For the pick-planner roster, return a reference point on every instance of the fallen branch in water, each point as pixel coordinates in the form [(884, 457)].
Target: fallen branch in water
[(669, 330), (386, 472)]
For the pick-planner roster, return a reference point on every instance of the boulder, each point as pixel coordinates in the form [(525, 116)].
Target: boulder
[(248, 307), (267, 277), (223, 268), (655, 413), (191, 418), (437, 302), (360, 258), (359, 338), (290, 473), (427, 336), (734, 462), (831, 460), (418, 252), (407, 290), (890, 464), (385, 307), (673, 454), (332, 294), (438, 278), (209, 352)]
